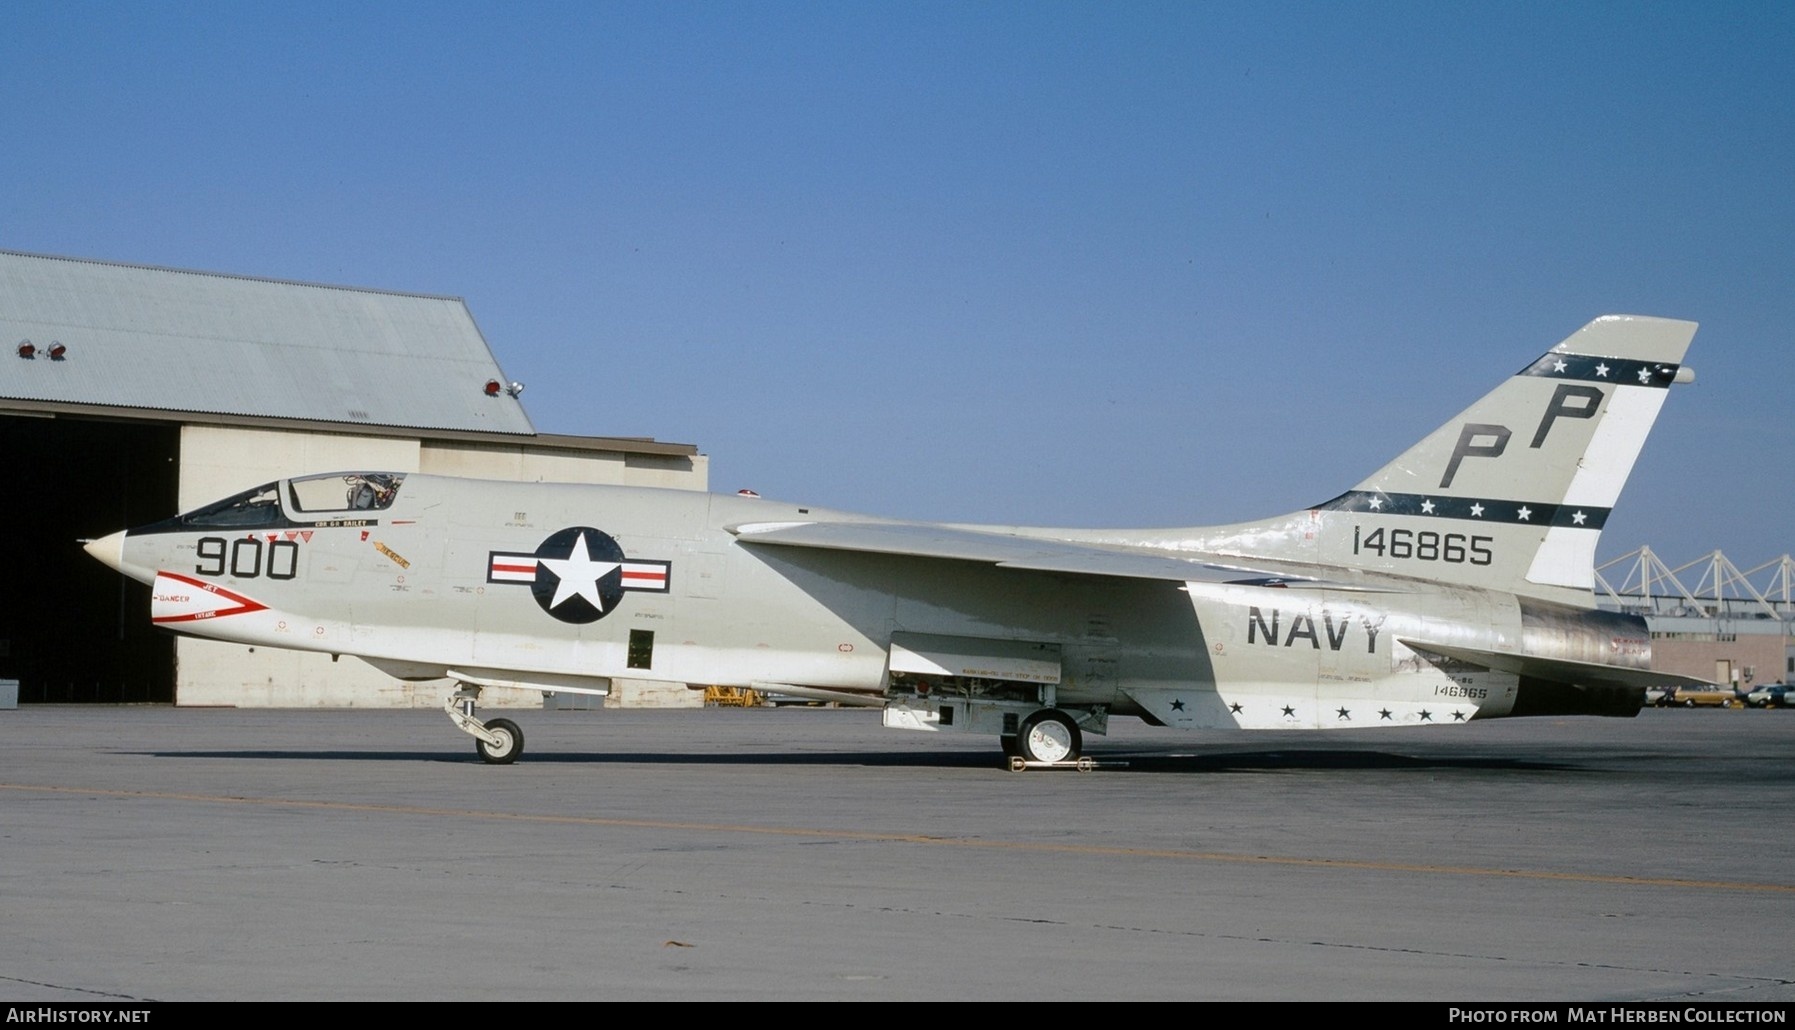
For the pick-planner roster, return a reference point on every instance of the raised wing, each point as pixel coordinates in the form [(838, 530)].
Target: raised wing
[(1010, 551)]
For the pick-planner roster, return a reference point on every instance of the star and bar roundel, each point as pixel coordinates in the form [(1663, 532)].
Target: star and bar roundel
[(578, 574)]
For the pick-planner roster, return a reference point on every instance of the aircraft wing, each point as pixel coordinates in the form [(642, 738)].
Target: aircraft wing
[(922, 540)]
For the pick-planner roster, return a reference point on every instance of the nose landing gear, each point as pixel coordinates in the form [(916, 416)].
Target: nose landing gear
[(499, 741)]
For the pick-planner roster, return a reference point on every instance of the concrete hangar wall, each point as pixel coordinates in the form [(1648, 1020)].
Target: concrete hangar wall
[(129, 393), (1733, 646)]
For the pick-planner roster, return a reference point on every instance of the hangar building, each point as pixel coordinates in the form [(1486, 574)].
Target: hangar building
[(129, 393), (1709, 619)]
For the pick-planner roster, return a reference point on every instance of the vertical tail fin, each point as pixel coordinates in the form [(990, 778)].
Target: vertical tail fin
[(1512, 493)]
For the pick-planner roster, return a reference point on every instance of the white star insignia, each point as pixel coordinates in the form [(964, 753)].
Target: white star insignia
[(1376, 503), (1524, 514), (1427, 507), (1477, 511), (1644, 376), (1578, 517), (1559, 366), (1602, 370), (578, 574)]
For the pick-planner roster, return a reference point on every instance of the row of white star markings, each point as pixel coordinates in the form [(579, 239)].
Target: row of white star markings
[(1477, 509), (1603, 370), (1344, 714), (1645, 374)]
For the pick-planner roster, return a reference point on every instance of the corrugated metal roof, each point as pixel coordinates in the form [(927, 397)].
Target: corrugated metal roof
[(171, 340)]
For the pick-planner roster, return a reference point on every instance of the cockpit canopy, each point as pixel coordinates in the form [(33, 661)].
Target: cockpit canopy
[(350, 491), (307, 499)]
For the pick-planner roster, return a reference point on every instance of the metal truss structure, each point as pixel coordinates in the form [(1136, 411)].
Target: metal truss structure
[(1708, 587)]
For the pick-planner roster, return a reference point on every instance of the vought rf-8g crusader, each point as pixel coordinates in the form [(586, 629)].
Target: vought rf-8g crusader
[(1455, 583)]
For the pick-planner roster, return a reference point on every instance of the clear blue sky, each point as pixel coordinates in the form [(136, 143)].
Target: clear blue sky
[(1048, 263)]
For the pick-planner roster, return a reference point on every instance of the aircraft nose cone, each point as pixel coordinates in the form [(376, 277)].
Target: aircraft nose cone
[(109, 549)]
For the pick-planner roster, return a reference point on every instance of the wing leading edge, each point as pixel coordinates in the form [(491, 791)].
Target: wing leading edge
[(924, 540)]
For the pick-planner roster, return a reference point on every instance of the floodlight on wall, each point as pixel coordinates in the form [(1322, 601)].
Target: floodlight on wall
[(57, 350), (27, 350), (494, 387), (515, 388)]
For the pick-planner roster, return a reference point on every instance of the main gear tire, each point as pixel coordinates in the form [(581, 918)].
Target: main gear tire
[(1049, 736)]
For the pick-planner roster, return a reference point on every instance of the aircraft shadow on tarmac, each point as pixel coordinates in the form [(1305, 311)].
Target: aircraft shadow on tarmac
[(1270, 760)]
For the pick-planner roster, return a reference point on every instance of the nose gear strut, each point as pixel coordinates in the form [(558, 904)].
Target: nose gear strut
[(499, 741)]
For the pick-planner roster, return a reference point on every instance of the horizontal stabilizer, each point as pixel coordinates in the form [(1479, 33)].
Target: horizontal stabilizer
[(1558, 670)]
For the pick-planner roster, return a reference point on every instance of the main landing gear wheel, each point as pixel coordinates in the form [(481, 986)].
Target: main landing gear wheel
[(1049, 736), (510, 745)]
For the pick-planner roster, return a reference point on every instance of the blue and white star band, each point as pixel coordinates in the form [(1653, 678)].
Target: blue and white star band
[(1593, 369), (1471, 509)]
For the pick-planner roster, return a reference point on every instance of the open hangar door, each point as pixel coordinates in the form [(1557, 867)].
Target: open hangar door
[(71, 629)]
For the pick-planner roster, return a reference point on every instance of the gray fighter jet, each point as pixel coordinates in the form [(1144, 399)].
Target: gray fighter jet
[(1455, 583)]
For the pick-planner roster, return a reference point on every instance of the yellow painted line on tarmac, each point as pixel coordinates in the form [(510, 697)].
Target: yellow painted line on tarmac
[(1037, 847)]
